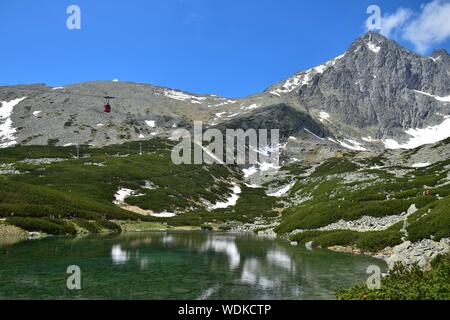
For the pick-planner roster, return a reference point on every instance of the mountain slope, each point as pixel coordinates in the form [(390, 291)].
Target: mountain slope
[(376, 95)]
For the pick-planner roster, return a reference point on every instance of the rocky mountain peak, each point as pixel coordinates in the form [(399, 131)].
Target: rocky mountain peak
[(377, 43), (439, 52), (440, 55)]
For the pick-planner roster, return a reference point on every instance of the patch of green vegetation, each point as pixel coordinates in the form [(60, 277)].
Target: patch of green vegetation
[(432, 220), (330, 199), (327, 239), (252, 204), (73, 190), (141, 225), (372, 241), (88, 226), (334, 166), (295, 169), (375, 161), (109, 225), (46, 225), (404, 284), (257, 230)]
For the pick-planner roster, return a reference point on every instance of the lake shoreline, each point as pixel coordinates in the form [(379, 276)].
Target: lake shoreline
[(407, 253), (178, 264)]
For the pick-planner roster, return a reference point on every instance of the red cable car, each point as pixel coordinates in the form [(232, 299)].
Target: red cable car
[(107, 106)]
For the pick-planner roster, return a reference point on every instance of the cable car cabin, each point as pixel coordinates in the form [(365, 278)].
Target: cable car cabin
[(107, 106)]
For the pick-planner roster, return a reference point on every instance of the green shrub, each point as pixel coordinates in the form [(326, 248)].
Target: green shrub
[(306, 236), (370, 241), (85, 224), (436, 223), (46, 225), (206, 227), (334, 166), (336, 238), (377, 240), (404, 284), (109, 225)]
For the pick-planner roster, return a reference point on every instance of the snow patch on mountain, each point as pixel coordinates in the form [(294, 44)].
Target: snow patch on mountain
[(303, 78), (442, 99), (421, 165), (352, 145), (283, 191), (163, 215), (368, 139), (268, 166), (151, 123), (7, 131), (313, 134), (248, 172), (251, 107), (223, 102), (420, 137), (373, 47), (231, 201), (435, 59), (181, 96), (122, 194), (324, 116)]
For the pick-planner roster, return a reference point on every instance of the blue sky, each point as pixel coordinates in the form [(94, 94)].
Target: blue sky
[(228, 47)]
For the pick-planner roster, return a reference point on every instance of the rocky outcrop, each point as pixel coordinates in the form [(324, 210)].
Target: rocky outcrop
[(368, 223), (376, 87), (421, 253)]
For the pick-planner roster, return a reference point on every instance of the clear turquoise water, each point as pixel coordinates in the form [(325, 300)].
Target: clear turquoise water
[(190, 265)]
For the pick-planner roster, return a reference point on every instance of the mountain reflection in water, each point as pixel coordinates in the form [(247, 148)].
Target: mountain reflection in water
[(177, 265)]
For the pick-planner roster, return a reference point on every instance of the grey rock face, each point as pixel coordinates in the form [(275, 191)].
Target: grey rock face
[(373, 89), (289, 121), (421, 253), (377, 89)]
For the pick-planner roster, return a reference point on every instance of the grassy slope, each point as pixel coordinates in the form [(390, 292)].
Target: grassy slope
[(74, 190), (331, 199), (78, 191)]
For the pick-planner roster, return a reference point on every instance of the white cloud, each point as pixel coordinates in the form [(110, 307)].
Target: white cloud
[(392, 22), (431, 27), (426, 28)]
